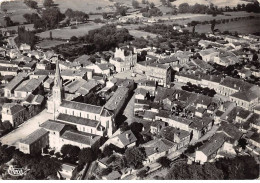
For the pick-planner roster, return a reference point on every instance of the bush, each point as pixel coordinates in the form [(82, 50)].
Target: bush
[(74, 27), (105, 171)]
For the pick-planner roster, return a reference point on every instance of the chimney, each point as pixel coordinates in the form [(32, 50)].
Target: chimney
[(156, 149), (127, 135)]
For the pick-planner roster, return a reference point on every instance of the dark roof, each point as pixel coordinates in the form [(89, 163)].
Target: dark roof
[(77, 120), (36, 135), (214, 144), (81, 106), (14, 108), (231, 131), (114, 175), (17, 80), (246, 96), (53, 125), (157, 146), (127, 137), (80, 137)]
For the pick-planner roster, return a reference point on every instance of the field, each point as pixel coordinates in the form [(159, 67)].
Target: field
[(86, 5), (242, 26), (46, 44), (219, 3), (67, 32), (183, 19), (138, 34), (15, 10)]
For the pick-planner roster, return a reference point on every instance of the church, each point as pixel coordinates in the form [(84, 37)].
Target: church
[(92, 119)]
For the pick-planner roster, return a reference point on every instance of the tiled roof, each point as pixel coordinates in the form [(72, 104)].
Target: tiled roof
[(80, 137), (77, 120), (14, 83), (230, 130), (127, 137), (36, 135), (14, 108), (114, 175), (213, 145), (29, 85), (236, 84), (81, 106), (246, 96), (157, 146), (53, 125), (115, 100)]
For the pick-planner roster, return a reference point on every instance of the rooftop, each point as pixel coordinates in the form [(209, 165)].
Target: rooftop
[(53, 125), (80, 137), (77, 120), (81, 106), (35, 136)]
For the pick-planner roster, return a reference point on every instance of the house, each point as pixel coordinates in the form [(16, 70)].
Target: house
[(208, 151), (244, 73), (245, 99), (11, 71), (44, 65), (124, 59), (13, 84), (208, 54), (157, 148), (124, 140), (114, 175), (116, 102), (35, 142), (82, 140), (181, 137), (32, 86), (14, 113), (25, 47), (67, 171), (55, 129)]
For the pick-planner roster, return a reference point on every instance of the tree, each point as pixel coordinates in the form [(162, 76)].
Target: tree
[(135, 156), (124, 127), (184, 8), (51, 17), (73, 39), (164, 162), (86, 155), (48, 3), (255, 57), (70, 151), (194, 24), (31, 4), (152, 5), (50, 35), (213, 24), (107, 151), (142, 173), (105, 171), (8, 21), (135, 4)]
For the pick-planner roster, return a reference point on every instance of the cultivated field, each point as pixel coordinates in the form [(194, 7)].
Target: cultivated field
[(241, 26), (15, 10), (138, 34), (67, 32), (86, 5), (46, 44)]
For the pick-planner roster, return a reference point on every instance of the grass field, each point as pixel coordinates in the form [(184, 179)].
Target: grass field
[(242, 26), (45, 44), (15, 10), (67, 32), (86, 5), (183, 19), (138, 34)]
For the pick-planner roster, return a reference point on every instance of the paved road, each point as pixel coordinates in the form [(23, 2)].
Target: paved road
[(25, 129)]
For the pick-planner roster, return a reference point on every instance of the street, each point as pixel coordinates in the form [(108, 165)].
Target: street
[(25, 129)]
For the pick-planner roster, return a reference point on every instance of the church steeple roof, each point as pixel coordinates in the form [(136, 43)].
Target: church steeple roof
[(57, 81)]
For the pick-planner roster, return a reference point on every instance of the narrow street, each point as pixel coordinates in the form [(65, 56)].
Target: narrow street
[(25, 129)]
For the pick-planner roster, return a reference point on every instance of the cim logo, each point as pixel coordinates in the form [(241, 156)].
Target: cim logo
[(13, 171)]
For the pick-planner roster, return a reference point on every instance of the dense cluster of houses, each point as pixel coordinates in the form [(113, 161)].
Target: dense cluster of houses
[(172, 118)]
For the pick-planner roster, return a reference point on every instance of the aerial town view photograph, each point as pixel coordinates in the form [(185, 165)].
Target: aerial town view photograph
[(129, 90)]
